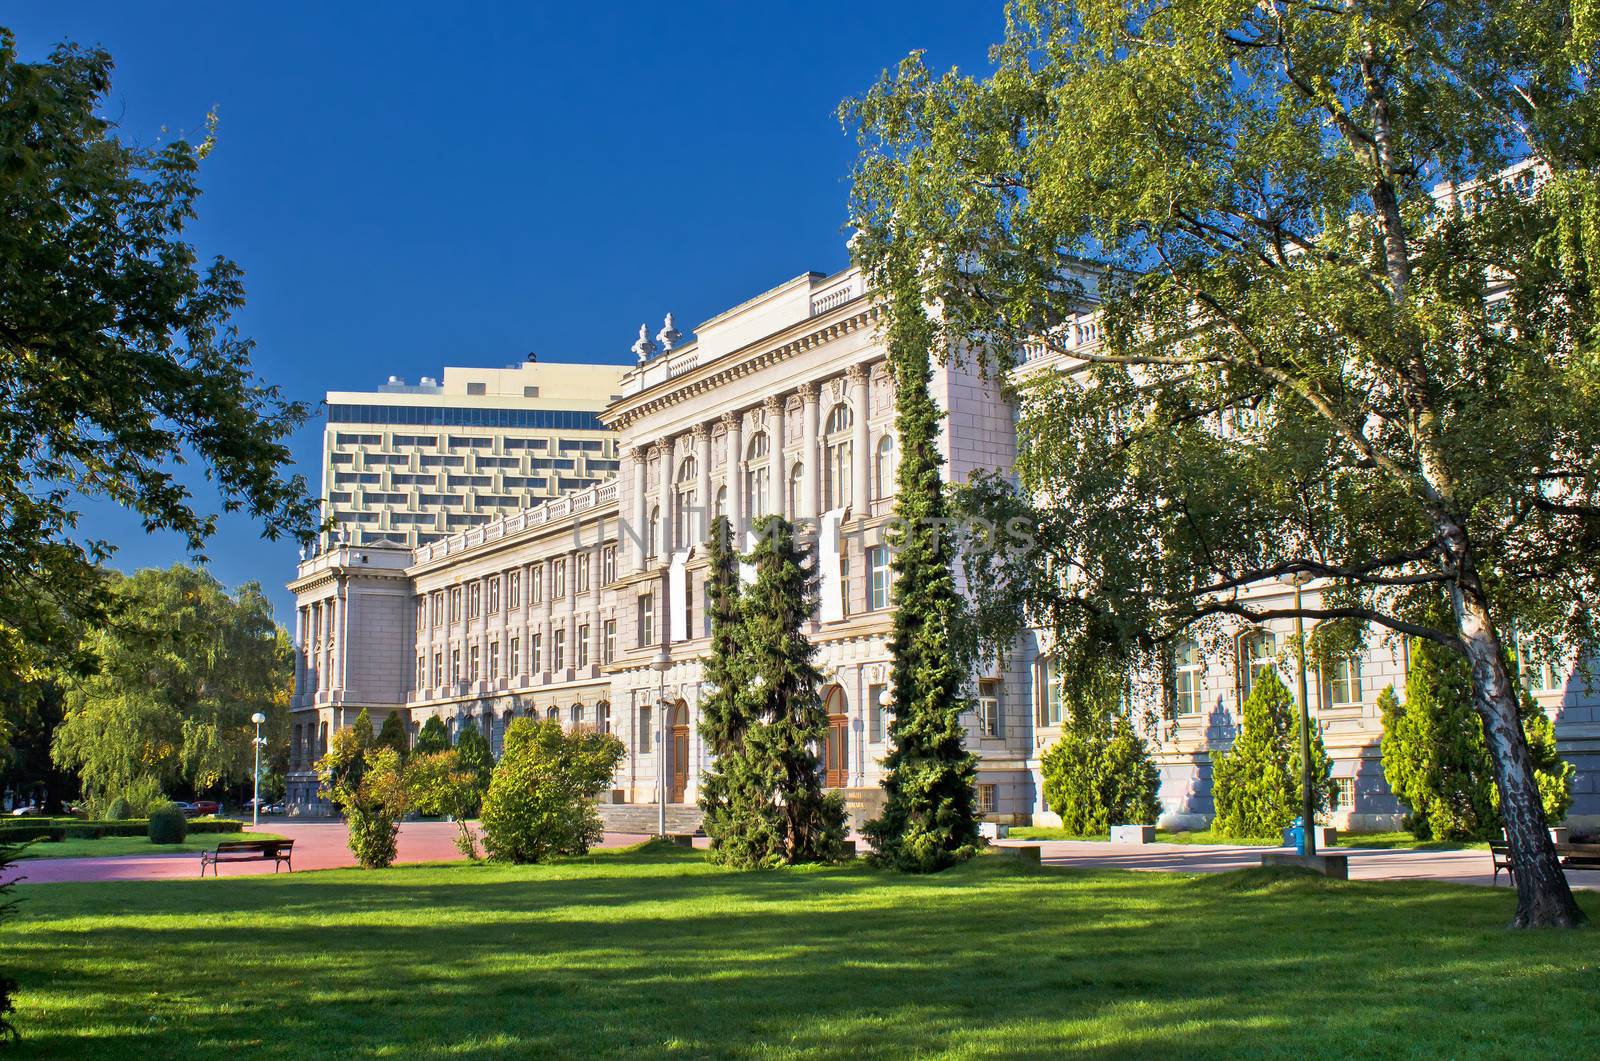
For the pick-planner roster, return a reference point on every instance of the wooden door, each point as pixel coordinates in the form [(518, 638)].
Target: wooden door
[(836, 752), (680, 752)]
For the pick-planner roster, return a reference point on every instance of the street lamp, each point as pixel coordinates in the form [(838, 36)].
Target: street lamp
[(1308, 803), (255, 804), (660, 665)]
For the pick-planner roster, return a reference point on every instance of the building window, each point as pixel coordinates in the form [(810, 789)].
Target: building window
[(644, 734), (878, 577), (558, 579), (1344, 793), (883, 466), (494, 660), (602, 716), (516, 656), (877, 712), (647, 620), (455, 605), (797, 480), (580, 573), (422, 671), (477, 389), (536, 583), (1541, 674), (474, 600), (583, 645), (757, 472), (494, 595), (721, 508), (422, 614), (472, 663), (1187, 670), (688, 610), (1341, 682), (438, 608), (438, 669), (608, 565), (652, 532), (514, 589), (687, 499), (609, 649), (987, 799), (836, 466), (1258, 651), (989, 707), (558, 650), (551, 713), (537, 642), (1050, 696), (575, 716), (455, 664)]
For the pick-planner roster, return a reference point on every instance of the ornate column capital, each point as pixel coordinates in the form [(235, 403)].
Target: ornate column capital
[(655, 451), (857, 375), (773, 404), (808, 392), (728, 420), (701, 432)]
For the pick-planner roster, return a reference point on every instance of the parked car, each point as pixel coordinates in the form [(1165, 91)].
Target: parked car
[(207, 806), (276, 808), (189, 809), (30, 811)]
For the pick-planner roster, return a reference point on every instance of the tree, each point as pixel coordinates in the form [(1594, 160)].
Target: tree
[(779, 811), (178, 675), (8, 909), (724, 718), (1100, 772), (441, 784), (392, 734), (1256, 785), (121, 360), (432, 737), (368, 785), (930, 816), (541, 800), (1331, 340), (1434, 757), (473, 749)]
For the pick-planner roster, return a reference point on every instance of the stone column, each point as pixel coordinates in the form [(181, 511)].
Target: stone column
[(523, 620), (299, 655), (777, 487), (640, 510), (669, 469), (860, 444), (702, 446), (733, 474), (809, 462)]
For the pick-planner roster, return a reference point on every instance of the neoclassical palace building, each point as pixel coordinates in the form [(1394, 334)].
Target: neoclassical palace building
[(590, 607)]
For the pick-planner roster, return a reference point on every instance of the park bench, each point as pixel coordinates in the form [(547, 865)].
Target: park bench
[(1573, 856), (1500, 851), (277, 852)]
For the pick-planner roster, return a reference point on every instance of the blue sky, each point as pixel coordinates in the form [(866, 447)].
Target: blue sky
[(409, 185)]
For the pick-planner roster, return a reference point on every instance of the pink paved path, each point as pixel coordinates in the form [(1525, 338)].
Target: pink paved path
[(1456, 867), (317, 845)]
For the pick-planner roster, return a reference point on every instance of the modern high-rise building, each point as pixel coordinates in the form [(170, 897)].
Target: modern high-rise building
[(408, 464)]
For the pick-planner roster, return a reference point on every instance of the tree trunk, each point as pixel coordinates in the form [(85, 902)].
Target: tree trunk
[(1543, 898)]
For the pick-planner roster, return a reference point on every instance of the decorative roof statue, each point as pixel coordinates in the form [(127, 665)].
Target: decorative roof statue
[(644, 349), (668, 336)]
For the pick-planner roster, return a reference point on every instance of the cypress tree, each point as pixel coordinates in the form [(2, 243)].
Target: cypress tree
[(1100, 773), (778, 803), (433, 737), (1256, 784), (392, 734), (363, 730), (930, 818), (472, 748), (723, 710)]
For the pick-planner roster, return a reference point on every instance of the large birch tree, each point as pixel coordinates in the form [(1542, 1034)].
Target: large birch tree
[(1340, 335)]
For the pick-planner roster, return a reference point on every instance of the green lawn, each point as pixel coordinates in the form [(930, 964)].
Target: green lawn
[(650, 951), (1195, 836), (133, 845)]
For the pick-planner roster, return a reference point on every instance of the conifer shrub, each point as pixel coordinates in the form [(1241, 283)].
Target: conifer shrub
[(1437, 763), (472, 748), (432, 737), (541, 798), (167, 824), (392, 734), (1100, 773), (116, 810), (1256, 785)]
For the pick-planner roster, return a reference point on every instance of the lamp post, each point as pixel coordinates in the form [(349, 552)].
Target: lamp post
[(1308, 803), (255, 803), (660, 665)]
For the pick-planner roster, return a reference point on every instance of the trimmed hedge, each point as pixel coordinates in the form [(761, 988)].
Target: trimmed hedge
[(51, 830), (167, 824)]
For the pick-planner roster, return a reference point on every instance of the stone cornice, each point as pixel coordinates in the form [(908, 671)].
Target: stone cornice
[(744, 362)]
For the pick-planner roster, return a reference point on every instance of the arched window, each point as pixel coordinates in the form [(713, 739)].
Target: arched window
[(575, 716), (797, 479), (883, 470), (602, 716), (1258, 651), (684, 527), (757, 450), (758, 500), (836, 458), (652, 531), (550, 713), (688, 468), (721, 506), (836, 749), (839, 419), (1187, 671)]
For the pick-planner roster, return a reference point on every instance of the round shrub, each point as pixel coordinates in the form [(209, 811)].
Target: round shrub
[(116, 810), (167, 824)]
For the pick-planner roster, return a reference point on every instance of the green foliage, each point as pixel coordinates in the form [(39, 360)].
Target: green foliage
[(167, 824), (472, 748), (392, 734), (8, 910), (1100, 773), (432, 737), (1256, 785), (930, 816), (540, 801), (1437, 763), (368, 785), (441, 784), (116, 810), (776, 812), (180, 673), (119, 359), (1296, 367), (724, 718)]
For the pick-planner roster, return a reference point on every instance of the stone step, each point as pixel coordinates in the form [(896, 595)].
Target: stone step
[(642, 818)]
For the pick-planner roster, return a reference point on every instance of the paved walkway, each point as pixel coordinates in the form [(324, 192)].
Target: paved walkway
[(1456, 867), (317, 845)]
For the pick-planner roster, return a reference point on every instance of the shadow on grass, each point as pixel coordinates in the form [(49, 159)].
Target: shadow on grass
[(654, 949)]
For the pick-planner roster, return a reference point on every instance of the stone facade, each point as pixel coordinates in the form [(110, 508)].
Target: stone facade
[(590, 608)]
